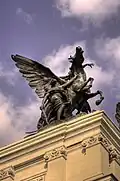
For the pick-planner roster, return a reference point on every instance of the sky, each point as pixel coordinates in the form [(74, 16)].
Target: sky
[(48, 31)]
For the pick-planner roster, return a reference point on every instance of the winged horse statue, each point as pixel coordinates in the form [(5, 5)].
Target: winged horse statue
[(60, 95)]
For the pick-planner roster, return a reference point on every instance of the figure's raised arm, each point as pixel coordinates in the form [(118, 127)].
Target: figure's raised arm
[(88, 64)]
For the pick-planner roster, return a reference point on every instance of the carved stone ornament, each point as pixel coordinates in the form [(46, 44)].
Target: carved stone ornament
[(91, 141), (113, 155), (56, 153), (7, 172), (88, 142)]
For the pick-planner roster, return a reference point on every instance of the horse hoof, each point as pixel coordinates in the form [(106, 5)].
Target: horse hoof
[(91, 79)]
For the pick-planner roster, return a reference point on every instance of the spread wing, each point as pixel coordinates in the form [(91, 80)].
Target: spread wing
[(117, 115), (35, 73)]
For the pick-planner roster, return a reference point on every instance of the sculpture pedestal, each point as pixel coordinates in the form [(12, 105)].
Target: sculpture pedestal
[(85, 148)]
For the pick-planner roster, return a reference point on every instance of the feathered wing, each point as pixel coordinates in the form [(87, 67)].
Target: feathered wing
[(35, 73), (117, 115)]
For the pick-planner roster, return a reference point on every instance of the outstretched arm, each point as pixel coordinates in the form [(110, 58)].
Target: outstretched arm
[(63, 86), (68, 83), (71, 58), (88, 64)]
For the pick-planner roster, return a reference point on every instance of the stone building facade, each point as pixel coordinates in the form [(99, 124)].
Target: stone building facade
[(85, 148)]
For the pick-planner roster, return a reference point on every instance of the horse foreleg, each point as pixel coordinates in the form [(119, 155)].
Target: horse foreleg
[(101, 98), (91, 95)]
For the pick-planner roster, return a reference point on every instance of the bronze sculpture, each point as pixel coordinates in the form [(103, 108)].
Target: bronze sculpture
[(60, 95)]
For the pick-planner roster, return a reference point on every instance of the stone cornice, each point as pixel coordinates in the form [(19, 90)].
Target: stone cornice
[(101, 139), (77, 126)]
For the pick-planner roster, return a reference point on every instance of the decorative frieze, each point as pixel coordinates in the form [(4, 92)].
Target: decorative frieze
[(55, 153), (93, 140), (113, 155), (101, 139), (96, 139), (7, 172)]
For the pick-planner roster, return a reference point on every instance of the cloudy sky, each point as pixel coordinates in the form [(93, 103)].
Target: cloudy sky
[(49, 31)]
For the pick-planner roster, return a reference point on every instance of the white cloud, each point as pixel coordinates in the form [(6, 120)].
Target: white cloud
[(109, 52), (102, 78), (28, 18), (7, 75), (93, 10), (109, 49), (58, 60), (14, 121)]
